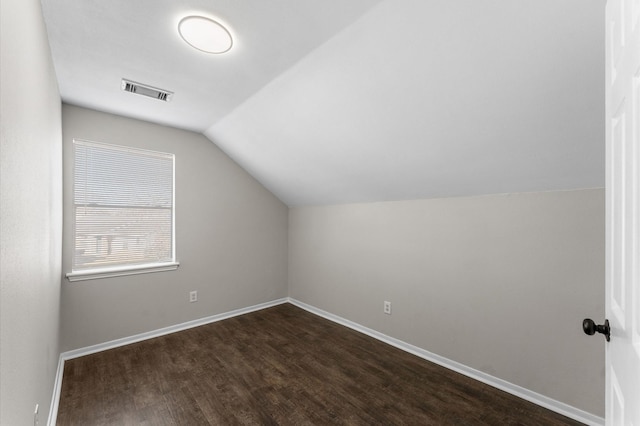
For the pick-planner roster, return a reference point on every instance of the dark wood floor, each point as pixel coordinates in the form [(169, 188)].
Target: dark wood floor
[(278, 366)]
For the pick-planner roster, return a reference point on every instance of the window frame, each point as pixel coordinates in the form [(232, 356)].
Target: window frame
[(121, 269)]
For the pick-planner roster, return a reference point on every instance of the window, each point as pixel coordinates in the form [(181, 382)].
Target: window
[(123, 211)]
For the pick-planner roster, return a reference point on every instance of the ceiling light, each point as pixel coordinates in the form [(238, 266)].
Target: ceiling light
[(205, 34)]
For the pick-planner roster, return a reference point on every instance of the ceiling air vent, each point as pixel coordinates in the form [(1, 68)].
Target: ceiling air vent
[(145, 90)]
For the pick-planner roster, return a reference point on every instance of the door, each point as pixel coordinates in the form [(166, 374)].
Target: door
[(623, 211)]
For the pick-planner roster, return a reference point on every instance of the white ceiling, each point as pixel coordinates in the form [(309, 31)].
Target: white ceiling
[(334, 101)]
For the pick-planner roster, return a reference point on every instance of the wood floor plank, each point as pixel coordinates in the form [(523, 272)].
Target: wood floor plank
[(279, 366)]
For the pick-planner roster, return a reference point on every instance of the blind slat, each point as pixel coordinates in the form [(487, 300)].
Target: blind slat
[(123, 199)]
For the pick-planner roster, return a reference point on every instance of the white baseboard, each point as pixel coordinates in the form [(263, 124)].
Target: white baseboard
[(519, 391), (55, 398), (526, 394), (76, 353), (167, 330)]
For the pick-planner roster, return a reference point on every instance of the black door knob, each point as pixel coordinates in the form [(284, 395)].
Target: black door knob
[(590, 328)]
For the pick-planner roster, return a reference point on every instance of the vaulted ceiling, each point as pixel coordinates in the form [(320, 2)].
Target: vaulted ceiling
[(333, 101)]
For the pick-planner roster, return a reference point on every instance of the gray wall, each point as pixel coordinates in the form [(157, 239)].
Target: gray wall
[(30, 215), (231, 239), (499, 283)]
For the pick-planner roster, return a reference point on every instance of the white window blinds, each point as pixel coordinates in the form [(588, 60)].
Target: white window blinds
[(123, 201)]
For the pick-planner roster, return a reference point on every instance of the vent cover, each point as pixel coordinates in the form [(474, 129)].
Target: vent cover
[(145, 90)]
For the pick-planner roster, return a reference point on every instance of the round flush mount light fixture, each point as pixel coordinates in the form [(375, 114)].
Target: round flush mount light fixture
[(205, 34)]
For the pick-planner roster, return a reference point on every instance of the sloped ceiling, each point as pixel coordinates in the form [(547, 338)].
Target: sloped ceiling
[(347, 101)]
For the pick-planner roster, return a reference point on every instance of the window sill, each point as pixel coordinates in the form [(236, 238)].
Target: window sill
[(94, 274)]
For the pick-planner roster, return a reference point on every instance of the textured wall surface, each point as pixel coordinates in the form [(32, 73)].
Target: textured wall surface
[(499, 283), (231, 239), (30, 215)]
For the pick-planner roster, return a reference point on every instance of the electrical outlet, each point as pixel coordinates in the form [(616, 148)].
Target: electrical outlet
[(387, 307), (36, 419), (193, 296)]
